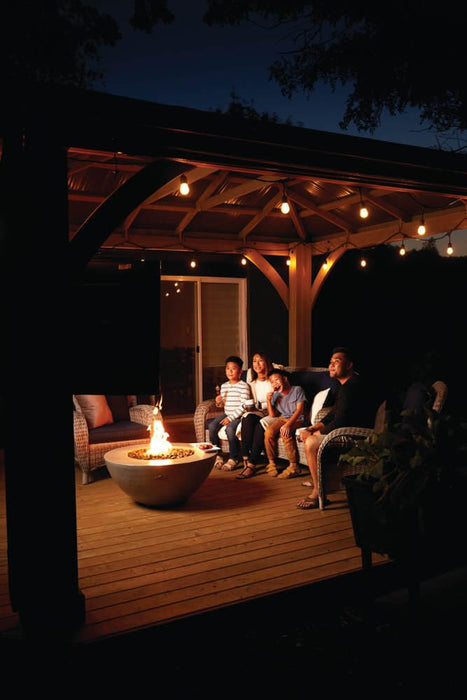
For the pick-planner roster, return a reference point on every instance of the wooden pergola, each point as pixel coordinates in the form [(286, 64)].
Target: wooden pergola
[(84, 171)]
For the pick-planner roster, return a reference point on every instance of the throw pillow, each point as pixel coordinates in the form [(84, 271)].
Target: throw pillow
[(95, 408), (118, 404), (318, 403)]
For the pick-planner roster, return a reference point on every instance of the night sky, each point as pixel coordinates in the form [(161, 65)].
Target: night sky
[(189, 64)]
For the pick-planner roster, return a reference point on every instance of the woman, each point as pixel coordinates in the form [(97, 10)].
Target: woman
[(252, 430)]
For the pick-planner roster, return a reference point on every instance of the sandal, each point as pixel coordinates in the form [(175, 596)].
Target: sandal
[(308, 484), (247, 472), (291, 472), (271, 469), (308, 503)]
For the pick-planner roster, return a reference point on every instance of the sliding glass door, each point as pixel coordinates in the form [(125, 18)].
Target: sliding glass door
[(203, 320)]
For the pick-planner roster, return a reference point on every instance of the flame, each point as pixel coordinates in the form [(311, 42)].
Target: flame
[(158, 445)]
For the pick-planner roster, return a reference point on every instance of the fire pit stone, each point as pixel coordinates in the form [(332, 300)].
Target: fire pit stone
[(160, 482)]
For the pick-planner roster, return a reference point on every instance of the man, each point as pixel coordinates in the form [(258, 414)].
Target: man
[(354, 406)]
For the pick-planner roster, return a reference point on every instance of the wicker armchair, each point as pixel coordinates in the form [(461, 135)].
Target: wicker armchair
[(342, 439), (91, 444)]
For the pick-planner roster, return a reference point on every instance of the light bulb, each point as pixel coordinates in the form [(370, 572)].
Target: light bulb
[(193, 263), (243, 261), (402, 250), (363, 262), (422, 228), (363, 212), (184, 186), (449, 249), (285, 208), (325, 264)]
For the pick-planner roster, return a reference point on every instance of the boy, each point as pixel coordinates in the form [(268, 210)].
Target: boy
[(234, 392), (287, 402)]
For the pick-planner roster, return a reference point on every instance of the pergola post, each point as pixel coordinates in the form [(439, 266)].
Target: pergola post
[(300, 271), (39, 462)]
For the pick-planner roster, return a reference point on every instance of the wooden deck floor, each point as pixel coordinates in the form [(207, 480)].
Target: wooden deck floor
[(233, 541)]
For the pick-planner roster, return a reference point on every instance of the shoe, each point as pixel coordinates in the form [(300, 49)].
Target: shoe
[(308, 503), (247, 472), (308, 484), (219, 463), (292, 471), (271, 469), (230, 465)]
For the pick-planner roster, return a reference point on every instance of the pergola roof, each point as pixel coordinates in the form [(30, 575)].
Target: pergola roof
[(238, 173)]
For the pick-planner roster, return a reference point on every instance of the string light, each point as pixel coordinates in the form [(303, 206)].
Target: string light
[(422, 228), (285, 207), (325, 264), (363, 209), (363, 262), (193, 263), (449, 249), (243, 261), (184, 186), (402, 250)]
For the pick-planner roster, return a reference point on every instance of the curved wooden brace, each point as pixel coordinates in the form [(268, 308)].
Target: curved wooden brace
[(117, 207), (271, 274), (324, 272)]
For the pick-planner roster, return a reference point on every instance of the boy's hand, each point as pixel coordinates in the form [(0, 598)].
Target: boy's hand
[(225, 421)]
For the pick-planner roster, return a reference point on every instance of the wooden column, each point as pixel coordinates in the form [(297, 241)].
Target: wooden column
[(39, 465), (300, 272)]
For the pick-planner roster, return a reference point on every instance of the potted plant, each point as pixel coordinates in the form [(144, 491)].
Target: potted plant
[(399, 476)]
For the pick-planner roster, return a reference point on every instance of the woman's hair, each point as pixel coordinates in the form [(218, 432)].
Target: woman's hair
[(254, 374)]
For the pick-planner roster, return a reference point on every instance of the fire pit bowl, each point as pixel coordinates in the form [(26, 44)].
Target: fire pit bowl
[(159, 482)]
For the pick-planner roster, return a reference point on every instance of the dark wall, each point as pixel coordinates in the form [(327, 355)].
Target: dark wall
[(116, 320), (397, 314), (267, 319)]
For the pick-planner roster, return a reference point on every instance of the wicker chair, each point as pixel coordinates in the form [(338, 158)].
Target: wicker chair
[(342, 439), (91, 444)]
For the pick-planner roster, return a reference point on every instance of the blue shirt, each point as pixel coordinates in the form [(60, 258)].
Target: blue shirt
[(286, 404)]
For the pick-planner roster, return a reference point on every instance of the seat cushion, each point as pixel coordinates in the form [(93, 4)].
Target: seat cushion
[(123, 430)]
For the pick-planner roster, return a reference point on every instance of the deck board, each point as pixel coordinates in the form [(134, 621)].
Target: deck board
[(233, 541)]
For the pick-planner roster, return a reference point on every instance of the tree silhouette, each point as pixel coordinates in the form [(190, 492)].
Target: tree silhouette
[(391, 55)]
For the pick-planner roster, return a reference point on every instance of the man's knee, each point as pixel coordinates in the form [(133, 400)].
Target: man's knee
[(312, 443)]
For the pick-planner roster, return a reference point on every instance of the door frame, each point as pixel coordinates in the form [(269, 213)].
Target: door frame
[(241, 283)]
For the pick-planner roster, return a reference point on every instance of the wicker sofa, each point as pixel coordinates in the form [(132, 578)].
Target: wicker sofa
[(312, 379)]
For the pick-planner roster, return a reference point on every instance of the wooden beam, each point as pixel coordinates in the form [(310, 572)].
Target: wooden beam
[(300, 272)]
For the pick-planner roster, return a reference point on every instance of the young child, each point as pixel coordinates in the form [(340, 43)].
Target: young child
[(234, 392), (287, 402)]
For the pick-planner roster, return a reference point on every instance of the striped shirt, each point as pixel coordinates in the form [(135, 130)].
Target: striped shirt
[(234, 396)]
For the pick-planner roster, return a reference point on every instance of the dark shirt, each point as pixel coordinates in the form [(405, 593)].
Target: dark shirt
[(355, 405)]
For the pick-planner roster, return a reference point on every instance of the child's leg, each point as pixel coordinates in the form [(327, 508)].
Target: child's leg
[(234, 442), (214, 426)]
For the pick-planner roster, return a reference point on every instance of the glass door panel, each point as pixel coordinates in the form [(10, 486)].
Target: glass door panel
[(178, 342)]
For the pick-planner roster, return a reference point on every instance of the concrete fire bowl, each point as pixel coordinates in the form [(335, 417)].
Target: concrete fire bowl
[(159, 482)]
